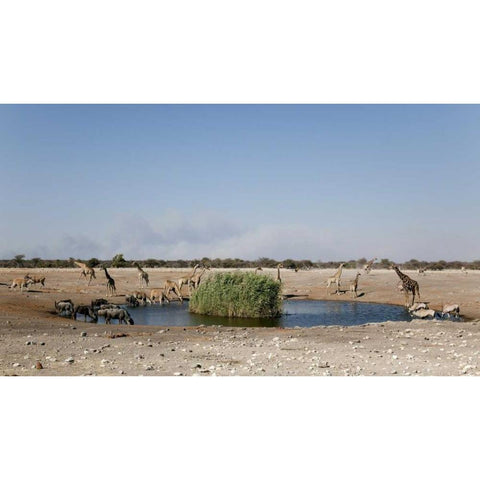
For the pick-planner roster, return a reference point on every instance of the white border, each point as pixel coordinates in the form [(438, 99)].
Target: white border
[(249, 51)]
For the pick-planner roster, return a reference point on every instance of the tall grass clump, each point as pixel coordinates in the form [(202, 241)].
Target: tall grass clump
[(238, 294)]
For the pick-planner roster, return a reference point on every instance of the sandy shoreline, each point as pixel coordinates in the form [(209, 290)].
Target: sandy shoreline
[(30, 333)]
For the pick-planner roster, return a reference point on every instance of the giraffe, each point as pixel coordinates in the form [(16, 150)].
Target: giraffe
[(110, 283), (195, 280), (258, 269), (336, 279), (368, 265), (86, 271), (279, 266), (171, 286), (409, 285), (142, 276), (354, 285), (158, 293), (186, 280)]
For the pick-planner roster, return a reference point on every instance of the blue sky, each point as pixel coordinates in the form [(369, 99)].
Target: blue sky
[(182, 181)]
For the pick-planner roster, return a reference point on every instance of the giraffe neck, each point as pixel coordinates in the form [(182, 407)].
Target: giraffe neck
[(402, 276)]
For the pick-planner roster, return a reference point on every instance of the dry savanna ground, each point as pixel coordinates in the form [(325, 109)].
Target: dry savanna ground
[(31, 335)]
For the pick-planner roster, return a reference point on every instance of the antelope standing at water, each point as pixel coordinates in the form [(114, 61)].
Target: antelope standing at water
[(336, 279), (409, 285), (110, 283), (142, 276), (449, 309), (86, 271)]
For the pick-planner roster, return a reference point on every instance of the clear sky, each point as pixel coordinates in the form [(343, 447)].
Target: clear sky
[(322, 182)]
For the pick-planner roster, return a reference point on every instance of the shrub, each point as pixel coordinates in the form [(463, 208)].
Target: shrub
[(238, 294), (118, 261)]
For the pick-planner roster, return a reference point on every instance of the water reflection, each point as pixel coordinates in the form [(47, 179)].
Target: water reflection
[(297, 313)]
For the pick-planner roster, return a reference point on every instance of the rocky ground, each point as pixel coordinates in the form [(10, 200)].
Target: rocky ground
[(34, 341)]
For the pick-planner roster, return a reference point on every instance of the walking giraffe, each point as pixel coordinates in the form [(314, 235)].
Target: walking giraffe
[(368, 265), (187, 279), (279, 266), (142, 276), (86, 270), (336, 279), (409, 285), (354, 285), (110, 283)]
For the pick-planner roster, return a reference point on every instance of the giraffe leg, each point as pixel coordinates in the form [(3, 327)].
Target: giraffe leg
[(406, 297)]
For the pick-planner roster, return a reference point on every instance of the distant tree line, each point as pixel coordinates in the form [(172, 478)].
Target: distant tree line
[(118, 261)]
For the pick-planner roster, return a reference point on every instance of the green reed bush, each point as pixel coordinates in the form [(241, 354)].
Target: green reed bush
[(238, 294)]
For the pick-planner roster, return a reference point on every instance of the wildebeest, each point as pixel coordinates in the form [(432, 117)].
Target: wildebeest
[(98, 302), (132, 301), (65, 307), (85, 310), (120, 314)]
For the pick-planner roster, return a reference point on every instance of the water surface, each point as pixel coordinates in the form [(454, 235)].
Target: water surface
[(297, 313)]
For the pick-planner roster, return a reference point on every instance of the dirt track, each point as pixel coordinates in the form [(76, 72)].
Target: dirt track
[(30, 333)]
